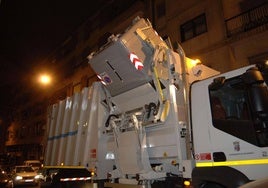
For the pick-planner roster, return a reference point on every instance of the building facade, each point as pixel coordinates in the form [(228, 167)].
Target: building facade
[(222, 34)]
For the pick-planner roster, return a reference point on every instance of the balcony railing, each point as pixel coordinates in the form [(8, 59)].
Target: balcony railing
[(248, 20)]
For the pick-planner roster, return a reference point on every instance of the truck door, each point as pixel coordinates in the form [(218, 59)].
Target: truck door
[(239, 131), (239, 107), (230, 128)]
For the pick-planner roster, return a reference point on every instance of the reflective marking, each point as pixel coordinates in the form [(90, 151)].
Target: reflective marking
[(136, 61), (233, 163), (75, 179), (72, 133)]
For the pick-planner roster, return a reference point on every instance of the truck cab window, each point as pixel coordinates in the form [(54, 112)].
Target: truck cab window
[(232, 110), (230, 102)]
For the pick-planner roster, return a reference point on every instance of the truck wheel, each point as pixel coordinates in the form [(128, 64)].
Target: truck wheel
[(211, 185)]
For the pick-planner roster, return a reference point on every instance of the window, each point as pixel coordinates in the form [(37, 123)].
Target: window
[(193, 28), (233, 108)]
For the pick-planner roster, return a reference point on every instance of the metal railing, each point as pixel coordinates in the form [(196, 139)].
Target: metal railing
[(248, 20)]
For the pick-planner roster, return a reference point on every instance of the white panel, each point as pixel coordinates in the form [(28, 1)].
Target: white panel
[(91, 134), (64, 132), (72, 131), (129, 155), (58, 128), (136, 98), (113, 64), (52, 117), (135, 44), (82, 126), (96, 143)]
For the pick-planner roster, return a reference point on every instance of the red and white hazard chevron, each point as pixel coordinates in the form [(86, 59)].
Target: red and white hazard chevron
[(136, 61), (75, 179)]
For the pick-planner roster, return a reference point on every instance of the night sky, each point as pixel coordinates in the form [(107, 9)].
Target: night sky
[(30, 30)]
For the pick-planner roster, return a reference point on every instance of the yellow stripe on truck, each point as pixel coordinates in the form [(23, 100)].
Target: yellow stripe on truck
[(233, 163)]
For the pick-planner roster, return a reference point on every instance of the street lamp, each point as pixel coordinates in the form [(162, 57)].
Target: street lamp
[(45, 79)]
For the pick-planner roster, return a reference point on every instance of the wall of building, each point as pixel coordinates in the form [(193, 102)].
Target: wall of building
[(214, 48), (208, 46)]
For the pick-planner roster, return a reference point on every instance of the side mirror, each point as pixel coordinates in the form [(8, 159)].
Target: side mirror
[(217, 83), (253, 76), (263, 67), (259, 97)]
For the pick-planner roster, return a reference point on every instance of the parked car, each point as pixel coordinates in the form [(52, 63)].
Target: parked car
[(35, 164), (24, 175), (64, 176), (5, 180)]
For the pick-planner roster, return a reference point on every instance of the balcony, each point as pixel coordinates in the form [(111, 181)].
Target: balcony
[(248, 21)]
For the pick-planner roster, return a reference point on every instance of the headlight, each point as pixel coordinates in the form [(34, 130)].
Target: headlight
[(38, 176), (18, 178)]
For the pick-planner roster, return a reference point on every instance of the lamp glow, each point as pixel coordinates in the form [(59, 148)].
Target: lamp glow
[(45, 79)]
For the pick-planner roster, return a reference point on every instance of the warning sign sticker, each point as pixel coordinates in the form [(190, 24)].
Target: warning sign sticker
[(105, 78)]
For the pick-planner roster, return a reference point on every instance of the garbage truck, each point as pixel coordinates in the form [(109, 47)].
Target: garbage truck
[(157, 118)]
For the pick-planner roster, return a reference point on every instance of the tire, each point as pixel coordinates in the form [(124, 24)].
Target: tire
[(211, 185)]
